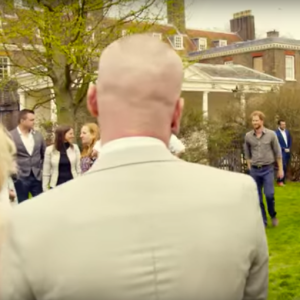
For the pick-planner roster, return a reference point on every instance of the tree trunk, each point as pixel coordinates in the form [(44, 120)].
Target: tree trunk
[(65, 107)]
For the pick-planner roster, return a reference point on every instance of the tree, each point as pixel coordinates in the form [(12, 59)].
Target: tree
[(62, 40)]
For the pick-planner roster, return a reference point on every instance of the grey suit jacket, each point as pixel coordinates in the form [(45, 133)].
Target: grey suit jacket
[(141, 225), (26, 162)]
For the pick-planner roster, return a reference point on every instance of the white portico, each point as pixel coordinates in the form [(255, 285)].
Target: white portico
[(230, 78)]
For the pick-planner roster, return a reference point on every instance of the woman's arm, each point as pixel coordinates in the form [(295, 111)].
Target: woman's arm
[(78, 156), (47, 168)]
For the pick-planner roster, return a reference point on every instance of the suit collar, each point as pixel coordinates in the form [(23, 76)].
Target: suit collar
[(132, 156)]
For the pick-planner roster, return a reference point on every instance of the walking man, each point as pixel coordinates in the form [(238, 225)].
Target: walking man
[(30, 146), (262, 149), (285, 142)]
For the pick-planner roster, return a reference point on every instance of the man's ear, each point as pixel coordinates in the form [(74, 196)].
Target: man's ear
[(92, 104), (177, 116)]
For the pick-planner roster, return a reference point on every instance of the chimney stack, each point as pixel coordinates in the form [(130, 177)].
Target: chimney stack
[(176, 14), (243, 24), (273, 34)]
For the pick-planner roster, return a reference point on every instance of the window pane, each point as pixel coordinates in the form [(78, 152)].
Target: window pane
[(258, 64)]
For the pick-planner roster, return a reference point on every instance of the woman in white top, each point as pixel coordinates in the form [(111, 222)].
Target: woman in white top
[(62, 160)]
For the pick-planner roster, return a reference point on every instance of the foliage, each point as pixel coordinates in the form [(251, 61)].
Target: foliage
[(284, 246), (61, 41)]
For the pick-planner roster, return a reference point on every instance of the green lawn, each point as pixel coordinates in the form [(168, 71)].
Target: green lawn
[(284, 245)]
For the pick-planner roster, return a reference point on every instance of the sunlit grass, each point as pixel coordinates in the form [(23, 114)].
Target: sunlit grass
[(284, 245)]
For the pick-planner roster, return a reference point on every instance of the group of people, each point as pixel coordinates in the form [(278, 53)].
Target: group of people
[(140, 223), (40, 168)]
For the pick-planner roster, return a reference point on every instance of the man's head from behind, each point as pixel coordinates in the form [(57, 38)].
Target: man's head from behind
[(26, 119), (257, 119), (138, 89)]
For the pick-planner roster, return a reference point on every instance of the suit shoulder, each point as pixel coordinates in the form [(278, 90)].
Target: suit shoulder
[(248, 133), (221, 175)]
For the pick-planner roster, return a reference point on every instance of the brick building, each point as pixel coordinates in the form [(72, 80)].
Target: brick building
[(273, 55)]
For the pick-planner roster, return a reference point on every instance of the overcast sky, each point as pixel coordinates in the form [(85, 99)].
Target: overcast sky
[(282, 15)]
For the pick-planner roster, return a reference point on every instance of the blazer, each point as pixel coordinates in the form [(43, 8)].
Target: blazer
[(51, 165), (281, 140), (141, 224), (26, 162)]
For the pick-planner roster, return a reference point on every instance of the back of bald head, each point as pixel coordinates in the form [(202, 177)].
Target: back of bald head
[(139, 71)]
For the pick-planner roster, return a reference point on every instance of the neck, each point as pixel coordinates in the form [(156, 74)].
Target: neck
[(259, 130), (23, 129)]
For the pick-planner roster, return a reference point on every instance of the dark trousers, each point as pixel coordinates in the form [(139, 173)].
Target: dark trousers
[(27, 185), (264, 178), (285, 162)]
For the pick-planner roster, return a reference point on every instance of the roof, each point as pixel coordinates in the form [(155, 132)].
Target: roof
[(235, 72), (247, 46), (228, 78)]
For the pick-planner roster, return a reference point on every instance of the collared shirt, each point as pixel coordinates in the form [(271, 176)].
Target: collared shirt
[(175, 145), (283, 133), (130, 142), (28, 141), (262, 150)]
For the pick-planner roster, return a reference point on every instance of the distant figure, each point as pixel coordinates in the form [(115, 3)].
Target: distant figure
[(141, 224), (89, 136), (285, 141), (31, 147), (262, 150), (62, 160)]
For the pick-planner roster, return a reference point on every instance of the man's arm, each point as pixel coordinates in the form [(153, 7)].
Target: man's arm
[(13, 285), (43, 147), (257, 281), (277, 152), (247, 152)]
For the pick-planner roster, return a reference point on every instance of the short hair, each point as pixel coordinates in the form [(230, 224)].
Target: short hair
[(7, 153), (259, 114), (23, 114), (59, 139), (279, 121)]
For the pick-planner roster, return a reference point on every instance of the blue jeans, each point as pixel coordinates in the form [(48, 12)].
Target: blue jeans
[(264, 178)]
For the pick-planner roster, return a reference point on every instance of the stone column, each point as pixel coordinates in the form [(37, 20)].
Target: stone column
[(22, 99), (205, 104), (53, 111), (243, 106)]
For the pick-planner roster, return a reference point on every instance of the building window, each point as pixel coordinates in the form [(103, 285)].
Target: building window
[(178, 42), (157, 35), (124, 32), (222, 43), (289, 67), (228, 62), (258, 63), (22, 3), (4, 67), (202, 44)]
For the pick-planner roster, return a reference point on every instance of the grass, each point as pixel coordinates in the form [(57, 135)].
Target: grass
[(284, 245)]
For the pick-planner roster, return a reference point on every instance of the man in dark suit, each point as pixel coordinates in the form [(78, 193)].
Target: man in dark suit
[(31, 147), (285, 142)]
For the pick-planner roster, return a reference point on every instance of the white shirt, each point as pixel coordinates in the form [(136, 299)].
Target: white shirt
[(283, 133), (28, 141), (175, 145)]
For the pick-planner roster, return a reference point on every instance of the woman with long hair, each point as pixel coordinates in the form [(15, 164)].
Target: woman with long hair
[(62, 160), (89, 136)]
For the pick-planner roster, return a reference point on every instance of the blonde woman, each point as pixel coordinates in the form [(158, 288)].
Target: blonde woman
[(62, 160), (7, 168), (89, 136)]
